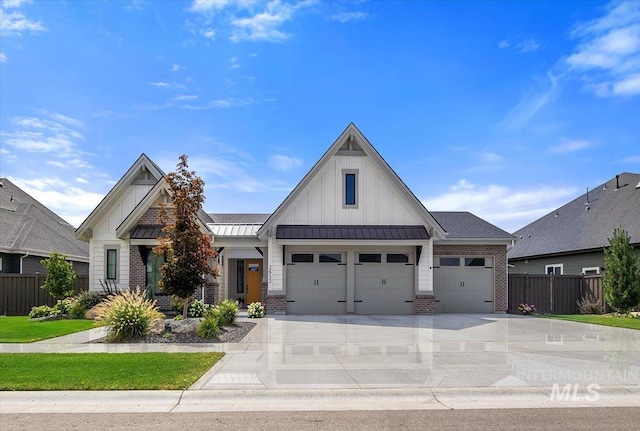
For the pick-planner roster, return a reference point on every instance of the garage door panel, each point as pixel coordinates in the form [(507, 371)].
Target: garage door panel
[(384, 288), (316, 288), (464, 289)]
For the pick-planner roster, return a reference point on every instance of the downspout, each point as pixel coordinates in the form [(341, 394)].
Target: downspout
[(22, 257)]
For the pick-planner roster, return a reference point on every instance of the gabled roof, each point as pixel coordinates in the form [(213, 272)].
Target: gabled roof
[(28, 226), (461, 225), (351, 133), (584, 223), (143, 166)]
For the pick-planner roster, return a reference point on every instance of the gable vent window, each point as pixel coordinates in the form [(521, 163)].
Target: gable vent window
[(350, 188)]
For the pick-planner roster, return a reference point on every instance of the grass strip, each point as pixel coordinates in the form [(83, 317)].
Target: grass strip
[(21, 329), (605, 320), (103, 371)]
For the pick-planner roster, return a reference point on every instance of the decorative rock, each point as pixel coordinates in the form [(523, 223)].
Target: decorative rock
[(182, 326), (90, 314), (157, 326)]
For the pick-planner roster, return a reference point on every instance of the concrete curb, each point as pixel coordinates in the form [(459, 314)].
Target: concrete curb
[(306, 400)]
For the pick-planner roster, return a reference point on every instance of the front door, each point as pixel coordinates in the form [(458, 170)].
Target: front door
[(253, 276)]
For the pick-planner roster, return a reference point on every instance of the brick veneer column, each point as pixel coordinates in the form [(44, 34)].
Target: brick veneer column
[(276, 304), (425, 304), (137, 270), (499, 253)]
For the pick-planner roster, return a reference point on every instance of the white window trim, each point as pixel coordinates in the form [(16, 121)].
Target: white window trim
[(554, 266), (115, 247), (344, 188), (591, 268)]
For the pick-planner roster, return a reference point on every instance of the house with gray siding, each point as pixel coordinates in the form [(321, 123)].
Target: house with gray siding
[(571, 239), (29, 232), (350, 238)]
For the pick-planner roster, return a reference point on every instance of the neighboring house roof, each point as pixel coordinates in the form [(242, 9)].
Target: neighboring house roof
[(234, 230), (145, 166), (28, 226), (466, 225), (352, 133), (238, 218), (584, 223), (352, 232)]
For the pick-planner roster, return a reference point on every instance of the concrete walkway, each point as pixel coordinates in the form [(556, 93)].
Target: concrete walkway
[(372, 362)]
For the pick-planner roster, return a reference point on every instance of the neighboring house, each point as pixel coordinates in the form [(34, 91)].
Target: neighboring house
[(350, 238), (571, 239), (29, 232)]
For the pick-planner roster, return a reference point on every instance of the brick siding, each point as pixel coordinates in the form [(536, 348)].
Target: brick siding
[(425, 304), (276, 304), (499, 252)]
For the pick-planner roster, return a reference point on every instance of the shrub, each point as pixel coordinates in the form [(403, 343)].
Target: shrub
[(621, 281), (589, 305), (217, 314), (255, 310), (197, 308), (40, 311), (229, 309), (526, 309), (208, 328), (88, 299), (128, 314), (62, 305), (177, 304), (76, 310)]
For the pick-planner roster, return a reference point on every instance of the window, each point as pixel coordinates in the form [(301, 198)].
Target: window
[(112, 264), (240, 277), (154, 271), (594, 270), (350, 188), (474, 261), (369, 258), (555, 269), (330, 258), (449, 261), (302, 258), (397, 258), (0, 264)]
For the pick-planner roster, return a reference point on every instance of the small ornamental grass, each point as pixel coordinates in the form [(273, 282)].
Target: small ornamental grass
[(255, 310), (589, 305), (209, 328), (128, 314)]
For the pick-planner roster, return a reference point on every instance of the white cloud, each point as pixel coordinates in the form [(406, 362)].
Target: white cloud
[(344, 17), (56, 134), (630, 159), (531, 102), (159, 84), (184, 97), (10, 4), (82, 180), (571, 146), (509, 208), (234, 63), (177, 67), (208, 33), (69, 201), (489, 157), (208, 6), (15, 23), (608, 53), (3, 57), (503, 44), (164, 84), (527, 45), (281, 162)]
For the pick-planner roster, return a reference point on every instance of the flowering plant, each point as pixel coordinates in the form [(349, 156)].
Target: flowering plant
[(255, 310), (527, 309)]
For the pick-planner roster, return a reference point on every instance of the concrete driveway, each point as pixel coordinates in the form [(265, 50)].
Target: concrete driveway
[(441, 351)]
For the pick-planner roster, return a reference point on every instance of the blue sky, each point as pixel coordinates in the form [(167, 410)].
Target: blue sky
[(504, 109)]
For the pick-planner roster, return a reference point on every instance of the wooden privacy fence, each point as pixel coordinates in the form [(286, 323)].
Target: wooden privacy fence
[(18, 293), (556, 294)]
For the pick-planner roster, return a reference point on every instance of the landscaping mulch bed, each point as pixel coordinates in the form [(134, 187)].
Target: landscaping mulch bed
[(228, 334)]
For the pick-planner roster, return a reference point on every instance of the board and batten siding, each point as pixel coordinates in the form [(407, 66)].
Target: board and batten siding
[(378, 202), (274, 269), (104, 236)]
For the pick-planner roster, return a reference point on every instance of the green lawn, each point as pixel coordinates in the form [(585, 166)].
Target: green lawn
[(618, 322), (102, 371), (20, 329)]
